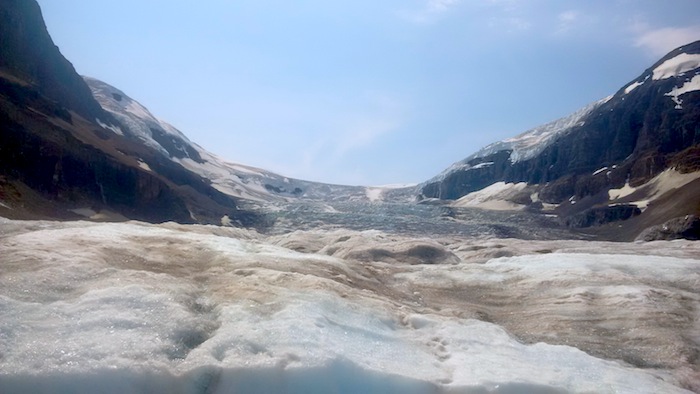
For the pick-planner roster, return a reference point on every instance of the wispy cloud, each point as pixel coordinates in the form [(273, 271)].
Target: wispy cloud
[(363, 133), (339, 136), (440, 5), (567, 20), (507, 16), (510, 23), (430, 12), (380, 115), (660, 41)]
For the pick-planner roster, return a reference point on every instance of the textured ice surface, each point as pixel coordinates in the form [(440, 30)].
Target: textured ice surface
[(132, 307)]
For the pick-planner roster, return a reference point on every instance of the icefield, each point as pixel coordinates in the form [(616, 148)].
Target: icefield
[(140, 308)]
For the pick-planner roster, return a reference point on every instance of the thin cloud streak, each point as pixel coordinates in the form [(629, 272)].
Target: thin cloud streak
[(661, 41), (567, 20), (430, 13)]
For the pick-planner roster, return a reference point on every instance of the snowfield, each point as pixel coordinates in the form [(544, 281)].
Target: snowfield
[(139, 308)]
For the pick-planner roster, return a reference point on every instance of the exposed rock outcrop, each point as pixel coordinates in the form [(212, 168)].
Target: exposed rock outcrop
[(648, 126), (58, 150), (686, 227)]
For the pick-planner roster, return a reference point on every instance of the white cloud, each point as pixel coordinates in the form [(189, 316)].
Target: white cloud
[(510, 24), (363, 133), (378, 116), (567, 19), (568, 16), (430, 12), (440, 5), (340, 131), (507, 16), (660, 41)]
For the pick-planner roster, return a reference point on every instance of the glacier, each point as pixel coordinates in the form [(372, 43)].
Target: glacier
[(139, 308)]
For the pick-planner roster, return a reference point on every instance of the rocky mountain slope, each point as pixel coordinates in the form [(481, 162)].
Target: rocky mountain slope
[(237, 180), (647, 131), (60, 156)]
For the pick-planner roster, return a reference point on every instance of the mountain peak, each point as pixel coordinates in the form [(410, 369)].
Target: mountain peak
[(28, 54), (649, 126)]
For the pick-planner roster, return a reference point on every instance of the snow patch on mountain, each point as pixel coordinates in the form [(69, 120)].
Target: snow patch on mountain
[(624, 191), (598, 171), (689, 86), (495, 197), (232, 179), (676, 66), (655, 188), (113, 128), (134, 116), (635, 85)]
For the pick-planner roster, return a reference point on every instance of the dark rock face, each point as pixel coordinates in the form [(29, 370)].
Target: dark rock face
[(601, 215), (28, 53), (686, 227), (640, 133), (296, 192), (175, 147), (55, 156)]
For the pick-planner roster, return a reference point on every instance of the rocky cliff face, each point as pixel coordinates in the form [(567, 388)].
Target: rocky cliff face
[(28, 53), (59, 154), (648, 126)]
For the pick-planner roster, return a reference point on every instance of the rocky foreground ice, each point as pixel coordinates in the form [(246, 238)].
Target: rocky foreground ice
[(132, 307)]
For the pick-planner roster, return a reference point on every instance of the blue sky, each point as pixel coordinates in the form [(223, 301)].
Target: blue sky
[(364, 92)]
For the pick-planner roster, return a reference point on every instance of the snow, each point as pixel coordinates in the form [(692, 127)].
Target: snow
[(530, 143), (494, 197), (374, 194), (689, 86), (114, 129), (624, 191), (655, 188), (598, 171), (131, 307), (144, 165), (633, 86), (131, 114), (483, 165), (230, 178), (676, 66), (670, 179), (378, 193)]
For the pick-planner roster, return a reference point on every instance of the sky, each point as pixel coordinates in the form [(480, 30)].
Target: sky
[(364, 92)]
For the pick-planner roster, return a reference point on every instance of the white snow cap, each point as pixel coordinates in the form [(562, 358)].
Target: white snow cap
[(677, 66)]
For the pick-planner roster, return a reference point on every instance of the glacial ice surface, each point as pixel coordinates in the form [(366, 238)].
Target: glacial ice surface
[(132, 307)]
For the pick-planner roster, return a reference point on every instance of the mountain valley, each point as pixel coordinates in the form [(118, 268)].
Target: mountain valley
[(561, 260)]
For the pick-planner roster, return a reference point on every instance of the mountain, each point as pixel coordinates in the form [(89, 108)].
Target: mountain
[(605, 162), (63, 156), (237, 180), (28, 57)]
